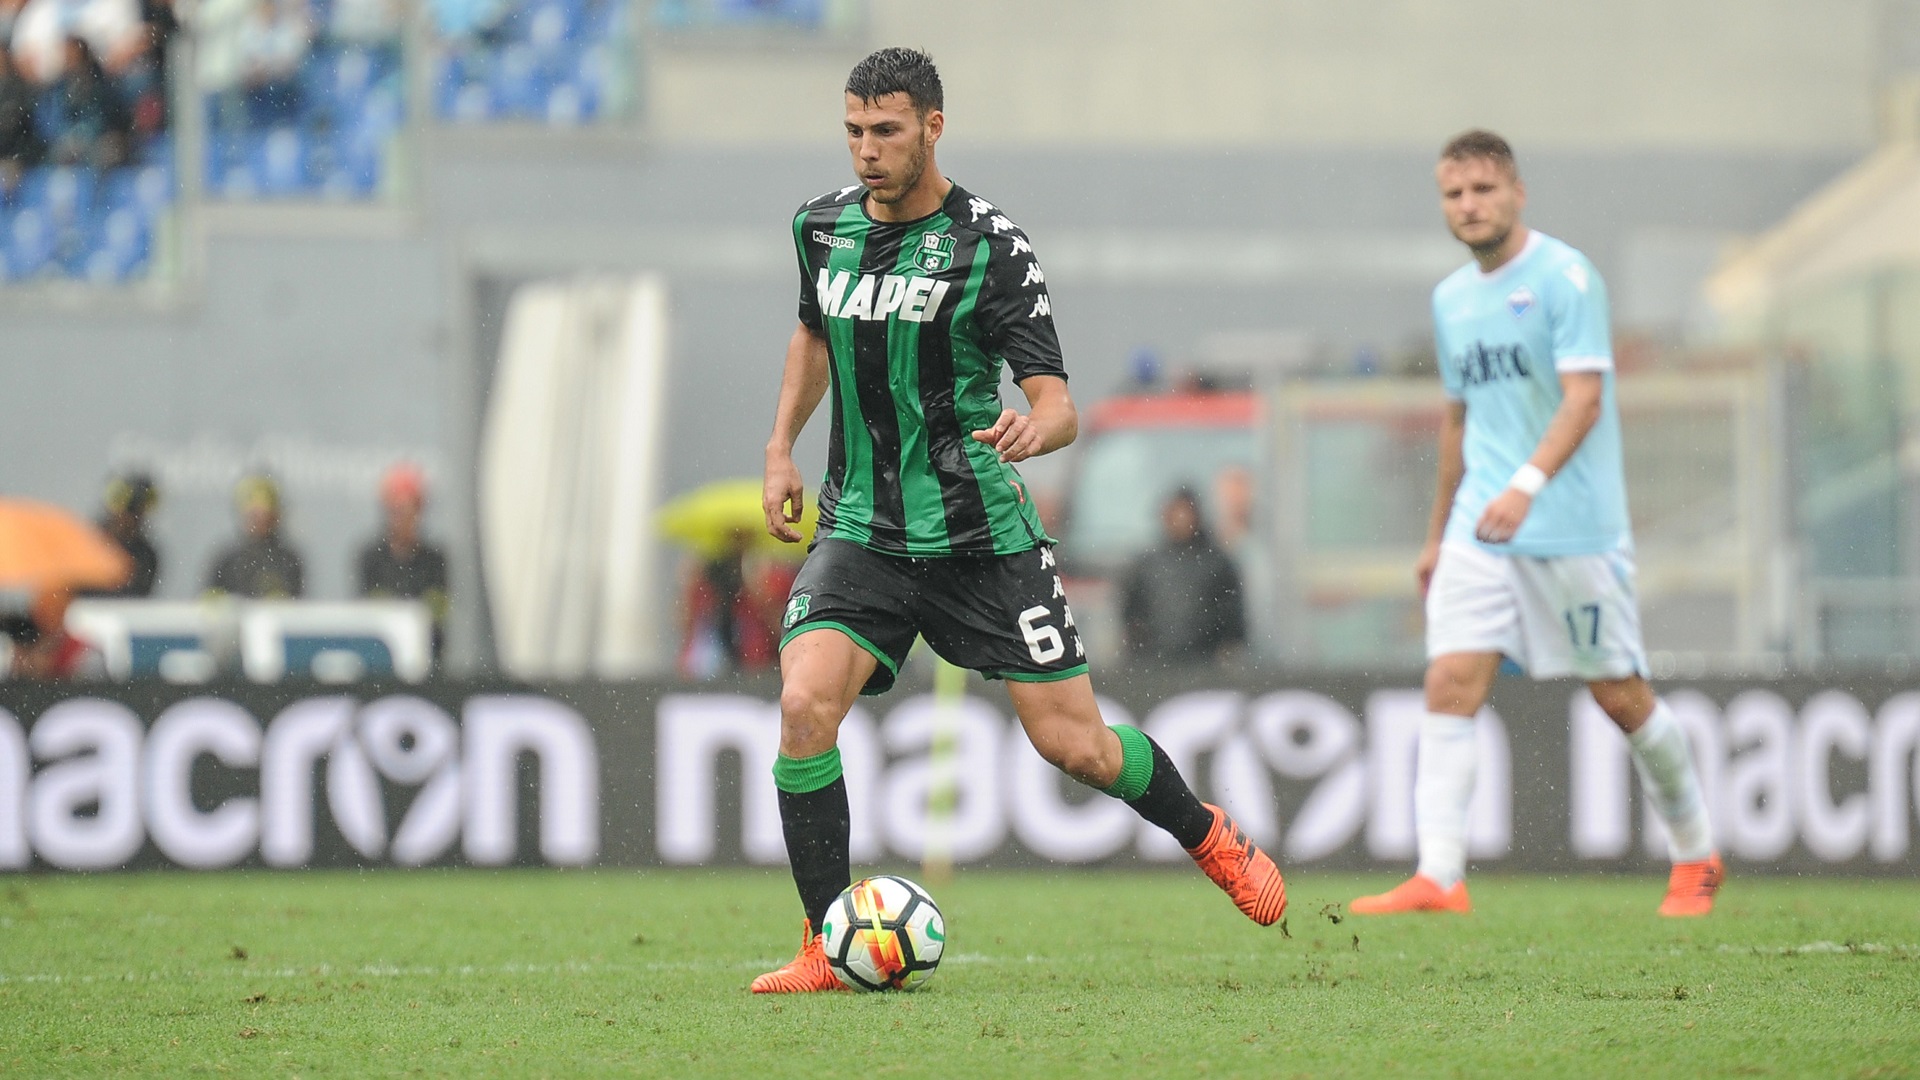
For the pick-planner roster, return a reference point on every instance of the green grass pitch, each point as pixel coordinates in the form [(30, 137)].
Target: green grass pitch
[(1049, 974)]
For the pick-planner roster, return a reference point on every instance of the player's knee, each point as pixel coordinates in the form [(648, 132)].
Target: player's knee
[(1627, 701), (1450, 688), (1078, 755), (809, 715)]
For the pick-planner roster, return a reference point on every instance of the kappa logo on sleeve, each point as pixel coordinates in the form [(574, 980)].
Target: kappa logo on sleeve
[(1578, 275)]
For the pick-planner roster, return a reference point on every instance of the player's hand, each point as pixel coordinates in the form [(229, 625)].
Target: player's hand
[(1013, 437), (782, 498), (1423, 568), (1503, 516)]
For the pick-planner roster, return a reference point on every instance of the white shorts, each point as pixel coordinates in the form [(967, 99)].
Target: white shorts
[(1567, 615)]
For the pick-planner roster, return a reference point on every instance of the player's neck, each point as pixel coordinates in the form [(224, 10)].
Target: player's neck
[(1509, 249), (926, 197)]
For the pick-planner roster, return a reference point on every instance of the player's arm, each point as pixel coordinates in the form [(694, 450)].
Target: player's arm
[(1452, 467), (1051, 421), (1580, 397), (802, 384)]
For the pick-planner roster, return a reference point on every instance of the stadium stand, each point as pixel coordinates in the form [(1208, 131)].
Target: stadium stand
[(308, 106), (545, 61), (86, 224)]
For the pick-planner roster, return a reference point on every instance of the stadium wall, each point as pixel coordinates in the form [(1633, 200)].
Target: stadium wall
[(326, 342), (1805, 776), (1753, 74)]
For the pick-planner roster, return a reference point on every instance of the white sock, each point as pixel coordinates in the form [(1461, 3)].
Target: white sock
[(1442, 788), (1667, 776)]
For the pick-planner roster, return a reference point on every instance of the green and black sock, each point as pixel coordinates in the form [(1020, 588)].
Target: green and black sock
[(1150, 784), (817, 825)]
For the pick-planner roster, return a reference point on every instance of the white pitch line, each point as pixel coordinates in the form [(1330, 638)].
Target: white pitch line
[(1831, 948)]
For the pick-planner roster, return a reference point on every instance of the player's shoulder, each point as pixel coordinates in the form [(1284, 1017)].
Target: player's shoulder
[(974, 214), (1561, 266), (837, 197), (1467, 276)]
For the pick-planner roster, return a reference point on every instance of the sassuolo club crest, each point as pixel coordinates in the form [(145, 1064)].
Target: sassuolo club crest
[(935, 253)]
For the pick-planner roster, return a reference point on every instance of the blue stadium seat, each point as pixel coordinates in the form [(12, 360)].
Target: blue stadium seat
[(278, 161), (30, 242)]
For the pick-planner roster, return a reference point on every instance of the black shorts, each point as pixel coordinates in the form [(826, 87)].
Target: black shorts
[(1004, 616)]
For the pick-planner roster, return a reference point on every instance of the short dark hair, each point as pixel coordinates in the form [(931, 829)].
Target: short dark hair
[(1480, 143), (898, 70)]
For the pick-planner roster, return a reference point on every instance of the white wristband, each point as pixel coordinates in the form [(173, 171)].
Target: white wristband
[(1528, 480)]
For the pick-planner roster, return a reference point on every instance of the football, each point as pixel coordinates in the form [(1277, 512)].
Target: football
[(884, 933)]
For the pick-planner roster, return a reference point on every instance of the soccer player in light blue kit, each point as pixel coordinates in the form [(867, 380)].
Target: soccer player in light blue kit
[(1529, 555)]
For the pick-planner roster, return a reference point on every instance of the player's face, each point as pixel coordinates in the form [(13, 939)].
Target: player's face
[(1482, 200), (891, 144)]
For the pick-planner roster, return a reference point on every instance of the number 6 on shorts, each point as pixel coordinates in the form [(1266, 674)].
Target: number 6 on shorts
[(1043, 642)]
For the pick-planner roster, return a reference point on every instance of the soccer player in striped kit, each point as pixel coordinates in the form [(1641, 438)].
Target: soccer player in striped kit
[(1529, 553), (913, 294)]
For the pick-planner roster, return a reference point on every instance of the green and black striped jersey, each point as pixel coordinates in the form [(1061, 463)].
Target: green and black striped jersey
[(918, 318)]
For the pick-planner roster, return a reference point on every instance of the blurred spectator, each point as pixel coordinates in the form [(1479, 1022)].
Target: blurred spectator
[(273, 45), (148, 80), (1180, 602), (365, 22), (250, 53), (9, 18), (128, 501), (111, 28), (259, 565), (730, 611), (20, 144), (1233, 487), (39, 647), (401, 563), (477, 20), (88, 122)]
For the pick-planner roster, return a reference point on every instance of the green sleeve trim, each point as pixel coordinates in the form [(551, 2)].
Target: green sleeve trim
[(822, 624), (799, 776), (1136, 764), (1040, 676)]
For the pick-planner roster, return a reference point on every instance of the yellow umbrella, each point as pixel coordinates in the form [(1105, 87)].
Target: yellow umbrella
[(707, 519), (45, 547)]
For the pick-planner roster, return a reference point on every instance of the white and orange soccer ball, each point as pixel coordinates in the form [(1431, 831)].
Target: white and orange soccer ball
[(884, 933)]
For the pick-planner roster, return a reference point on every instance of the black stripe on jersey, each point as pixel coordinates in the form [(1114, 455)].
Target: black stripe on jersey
[(873, 385), (824, 219), (966, 510)]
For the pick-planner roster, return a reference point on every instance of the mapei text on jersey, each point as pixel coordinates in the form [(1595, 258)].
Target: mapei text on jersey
[(874, 297)]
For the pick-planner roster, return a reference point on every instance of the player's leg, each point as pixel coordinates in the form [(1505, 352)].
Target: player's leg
[(1581, 618), (1445, 767), (1007, 617), (1472, 621), (845, 634), (1064, 724), (821, 673), (1672, 784)]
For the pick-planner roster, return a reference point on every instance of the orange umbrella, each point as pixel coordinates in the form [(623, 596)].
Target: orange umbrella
[(45, 547)]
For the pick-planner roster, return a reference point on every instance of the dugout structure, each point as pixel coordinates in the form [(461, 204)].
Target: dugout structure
[(1351, 468)]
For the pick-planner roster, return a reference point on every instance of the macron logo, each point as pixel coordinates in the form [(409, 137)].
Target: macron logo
[(832, 241)]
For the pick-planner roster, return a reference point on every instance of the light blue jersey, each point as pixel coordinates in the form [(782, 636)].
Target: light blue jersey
[(1503, 340)]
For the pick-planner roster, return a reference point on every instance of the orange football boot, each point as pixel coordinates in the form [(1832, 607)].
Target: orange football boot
[(1239, 867), (1692, 887), (1417, 893), (807, 973)]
